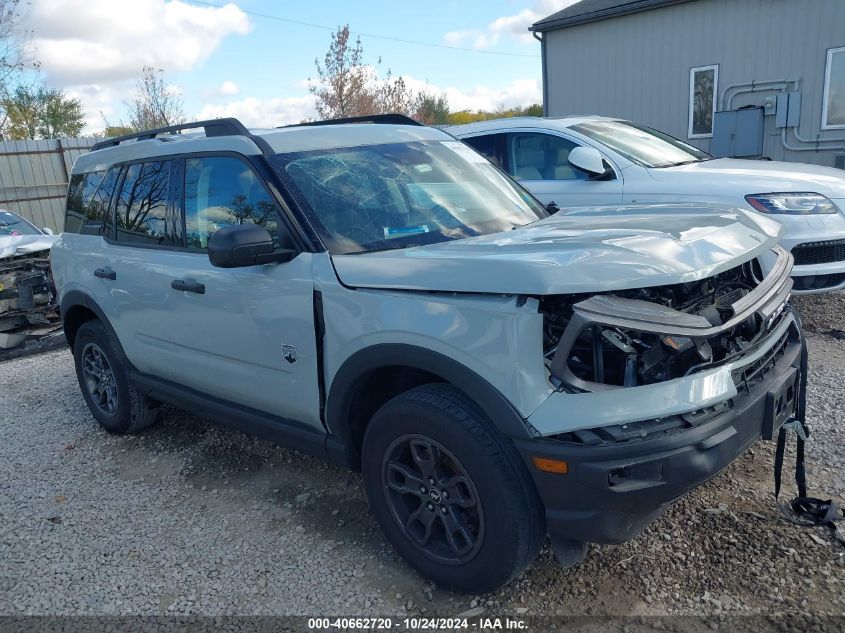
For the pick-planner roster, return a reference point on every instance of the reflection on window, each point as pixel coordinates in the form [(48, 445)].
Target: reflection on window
[(141, 214), (82, 205), (543, 157), (703, 87), (641, 144), (222, 191), (833, 116)]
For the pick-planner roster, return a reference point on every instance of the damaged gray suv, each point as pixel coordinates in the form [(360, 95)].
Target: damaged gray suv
[(375, 292)]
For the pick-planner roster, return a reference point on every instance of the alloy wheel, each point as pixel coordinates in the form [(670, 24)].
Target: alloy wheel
[(99, 379), (433, 499)]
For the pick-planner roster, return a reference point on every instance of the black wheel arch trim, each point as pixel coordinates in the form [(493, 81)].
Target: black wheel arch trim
[(491, 401)]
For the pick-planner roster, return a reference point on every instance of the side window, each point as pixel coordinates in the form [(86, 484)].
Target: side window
[(221, 191), (542, 157), (81, 209), (141, 210), (491, 145), (101, 188)]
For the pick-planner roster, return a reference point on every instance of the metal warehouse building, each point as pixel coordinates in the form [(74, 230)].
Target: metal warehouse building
[(743, 78)]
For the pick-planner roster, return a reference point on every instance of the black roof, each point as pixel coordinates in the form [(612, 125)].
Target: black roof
[(595, 10)]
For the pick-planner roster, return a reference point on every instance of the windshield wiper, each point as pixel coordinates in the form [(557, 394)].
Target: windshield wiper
[(682, 162)]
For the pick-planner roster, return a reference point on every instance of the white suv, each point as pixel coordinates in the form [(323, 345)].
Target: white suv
[(591, 160)]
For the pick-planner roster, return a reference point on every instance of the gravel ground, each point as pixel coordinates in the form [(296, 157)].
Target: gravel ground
[(192, 519)]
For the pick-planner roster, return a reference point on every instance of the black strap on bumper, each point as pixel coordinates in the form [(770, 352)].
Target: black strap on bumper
[(806, 511)]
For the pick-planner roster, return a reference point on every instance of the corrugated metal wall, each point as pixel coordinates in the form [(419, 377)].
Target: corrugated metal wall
[(34, 178), (637, 66)]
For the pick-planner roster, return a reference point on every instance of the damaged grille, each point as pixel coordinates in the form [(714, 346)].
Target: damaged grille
[(27, 299), (593, 342), (748, 376)]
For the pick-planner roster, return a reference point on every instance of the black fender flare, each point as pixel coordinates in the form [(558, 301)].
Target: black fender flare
[(495, 405)]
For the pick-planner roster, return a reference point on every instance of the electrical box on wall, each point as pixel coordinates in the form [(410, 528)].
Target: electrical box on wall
[(788, 109), (737, 133)]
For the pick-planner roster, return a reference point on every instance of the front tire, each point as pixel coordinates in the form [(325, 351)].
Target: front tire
[(104, 380), (451, 494)]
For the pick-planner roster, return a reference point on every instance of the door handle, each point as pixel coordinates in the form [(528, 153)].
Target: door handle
[(105, 273), (188, 286)]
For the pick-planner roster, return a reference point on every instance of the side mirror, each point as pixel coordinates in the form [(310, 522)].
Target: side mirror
[(588, 160), (47, 230), (244, 245), (552, 208)]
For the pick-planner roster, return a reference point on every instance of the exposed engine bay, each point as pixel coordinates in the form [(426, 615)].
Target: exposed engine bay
[(601, 355), (27, 299)]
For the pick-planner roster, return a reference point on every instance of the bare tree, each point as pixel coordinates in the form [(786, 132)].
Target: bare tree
[(346, 86), (154, 105), (394, 96), (342, 88)]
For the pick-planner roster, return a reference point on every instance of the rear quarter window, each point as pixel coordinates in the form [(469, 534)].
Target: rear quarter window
[(88, 201)]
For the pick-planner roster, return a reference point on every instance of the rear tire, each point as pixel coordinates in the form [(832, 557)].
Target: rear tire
[(451, 494), (104, 380)]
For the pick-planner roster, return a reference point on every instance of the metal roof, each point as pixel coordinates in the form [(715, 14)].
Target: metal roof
[(595, 10)]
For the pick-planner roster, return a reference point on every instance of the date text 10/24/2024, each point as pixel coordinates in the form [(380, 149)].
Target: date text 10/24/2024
[(417, 624)]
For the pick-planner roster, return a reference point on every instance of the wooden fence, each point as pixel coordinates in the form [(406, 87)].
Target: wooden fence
[(34, 178)]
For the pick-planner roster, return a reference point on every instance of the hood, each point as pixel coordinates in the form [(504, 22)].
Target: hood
[(757, 176), (588, 250), (11, 245)]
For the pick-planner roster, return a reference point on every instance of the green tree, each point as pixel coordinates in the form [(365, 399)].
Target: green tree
[(154, 105), (41, 113), (15, 54), (60, 116), (432, 109)]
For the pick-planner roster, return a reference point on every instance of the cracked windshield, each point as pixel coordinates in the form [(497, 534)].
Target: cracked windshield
[(397, 195)]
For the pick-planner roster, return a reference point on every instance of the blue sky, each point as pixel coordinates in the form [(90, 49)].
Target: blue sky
[(224, 59)]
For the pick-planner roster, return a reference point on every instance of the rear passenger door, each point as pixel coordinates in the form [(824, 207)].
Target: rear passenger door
[(244, 335)]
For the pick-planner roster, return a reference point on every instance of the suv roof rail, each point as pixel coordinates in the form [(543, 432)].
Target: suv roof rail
[(229, 126), (392, 118)]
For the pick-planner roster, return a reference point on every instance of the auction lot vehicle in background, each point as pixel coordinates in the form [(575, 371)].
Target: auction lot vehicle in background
[(28, 306), (596, 160), (377, 293)]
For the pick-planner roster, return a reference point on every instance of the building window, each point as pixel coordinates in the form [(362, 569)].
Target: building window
[(833, 105), (703, 85)]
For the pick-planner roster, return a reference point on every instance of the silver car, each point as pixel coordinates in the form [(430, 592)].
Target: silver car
[(377, 293)]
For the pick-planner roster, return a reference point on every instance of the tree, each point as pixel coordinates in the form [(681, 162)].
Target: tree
[(14, 51), (342, 89), (154, 105), (60, 116), (347, 87), (431, 109), (41, 113)]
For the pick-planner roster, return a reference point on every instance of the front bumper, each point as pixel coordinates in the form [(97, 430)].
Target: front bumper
[(614, 489), (815, 277)]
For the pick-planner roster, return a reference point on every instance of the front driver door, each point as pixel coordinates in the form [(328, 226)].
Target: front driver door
[(539, 161), (245, 335)]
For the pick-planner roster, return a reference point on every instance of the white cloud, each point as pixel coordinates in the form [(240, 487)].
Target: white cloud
[(266, 113), (83, 42), (97, 105), (518, 93), (228, 88), (511, 25)]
